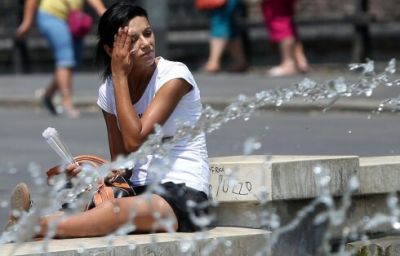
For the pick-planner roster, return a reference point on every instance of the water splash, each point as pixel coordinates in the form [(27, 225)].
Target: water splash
[(209, 121)]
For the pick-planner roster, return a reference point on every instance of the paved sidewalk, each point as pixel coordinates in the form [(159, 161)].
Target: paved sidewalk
[(217, 90)]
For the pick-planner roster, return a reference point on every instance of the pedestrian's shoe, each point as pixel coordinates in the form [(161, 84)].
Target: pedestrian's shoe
[(20, 201), (49, 105)]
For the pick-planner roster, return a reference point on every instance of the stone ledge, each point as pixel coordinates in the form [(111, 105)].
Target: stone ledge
[(379, 175), (290, 183), (385, 246), (242, 178), (218, 240)]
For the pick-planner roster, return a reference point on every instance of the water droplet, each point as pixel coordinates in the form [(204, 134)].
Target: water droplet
[(353, 184), (116, 209), (81, 250), (157, 215), (16, 213), (349, 132), (185, 247), (4, 204), (250, 145), (396, 225), (346, 231), (190, 203), (88, 180), (317, 169), (13, 170), (392, 201)]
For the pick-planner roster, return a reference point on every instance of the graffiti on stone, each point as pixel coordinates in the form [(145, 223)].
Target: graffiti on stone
[(228, 184)]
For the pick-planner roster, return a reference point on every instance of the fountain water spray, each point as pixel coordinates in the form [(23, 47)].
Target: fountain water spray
[(211, 120)]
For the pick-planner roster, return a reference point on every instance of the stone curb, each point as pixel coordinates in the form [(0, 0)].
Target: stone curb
[(242, 241), (218, 103)]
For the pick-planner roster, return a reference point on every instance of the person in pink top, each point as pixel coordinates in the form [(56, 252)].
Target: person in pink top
[(278, 15)]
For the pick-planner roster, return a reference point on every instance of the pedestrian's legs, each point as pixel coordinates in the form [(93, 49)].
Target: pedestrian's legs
[(237, 53), (51, 88), (223, 30), (279, 22), (63, 77), (288, 61), (301, 60), (60, 39), (217, 48)]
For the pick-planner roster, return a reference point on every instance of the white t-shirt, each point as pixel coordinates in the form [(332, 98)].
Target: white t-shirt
[(188, 158)]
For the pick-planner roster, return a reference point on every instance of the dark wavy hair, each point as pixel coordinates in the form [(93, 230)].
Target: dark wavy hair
[(118, 15)]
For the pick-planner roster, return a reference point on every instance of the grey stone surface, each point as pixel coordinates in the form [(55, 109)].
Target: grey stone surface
[(385, 246), (243, 178), (292, 189), (216, 241), (379, 174)]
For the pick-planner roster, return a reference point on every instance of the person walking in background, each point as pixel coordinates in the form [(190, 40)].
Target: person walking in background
[(51, 19), (278, 15), (225, 33)]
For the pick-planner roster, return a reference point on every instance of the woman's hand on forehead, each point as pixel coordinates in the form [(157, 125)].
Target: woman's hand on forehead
[(121, 55)]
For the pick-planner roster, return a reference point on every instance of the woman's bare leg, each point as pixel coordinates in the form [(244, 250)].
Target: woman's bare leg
[(288, 65), (64, 81), (51, 88), (110, 215), (301, 59), (217, 48)]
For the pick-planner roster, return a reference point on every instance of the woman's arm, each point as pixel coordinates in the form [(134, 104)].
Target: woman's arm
[(115, 144), (98, 6), (115, 141), (28, 19), (135, 130)]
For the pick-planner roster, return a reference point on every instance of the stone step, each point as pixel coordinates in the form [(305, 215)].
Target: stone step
[(216, 241), (385, 246), (289, 184), (243, 178)]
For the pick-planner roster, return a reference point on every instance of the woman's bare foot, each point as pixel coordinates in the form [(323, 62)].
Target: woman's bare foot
[(71, 111), (210, 67), (279, 71)]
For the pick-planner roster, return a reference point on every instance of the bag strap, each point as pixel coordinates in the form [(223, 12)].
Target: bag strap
[(90, 159)]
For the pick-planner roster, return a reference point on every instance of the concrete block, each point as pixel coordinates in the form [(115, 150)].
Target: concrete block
[(305, 237), (379, 174), (243, 178), (241, 214), (216, 241), (385, 246)]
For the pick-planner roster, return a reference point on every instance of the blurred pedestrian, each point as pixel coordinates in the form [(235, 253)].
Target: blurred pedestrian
[(278, 15), (51, 19), (225, 33)]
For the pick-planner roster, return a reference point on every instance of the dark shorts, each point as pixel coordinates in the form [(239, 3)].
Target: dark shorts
[(188, 204)]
